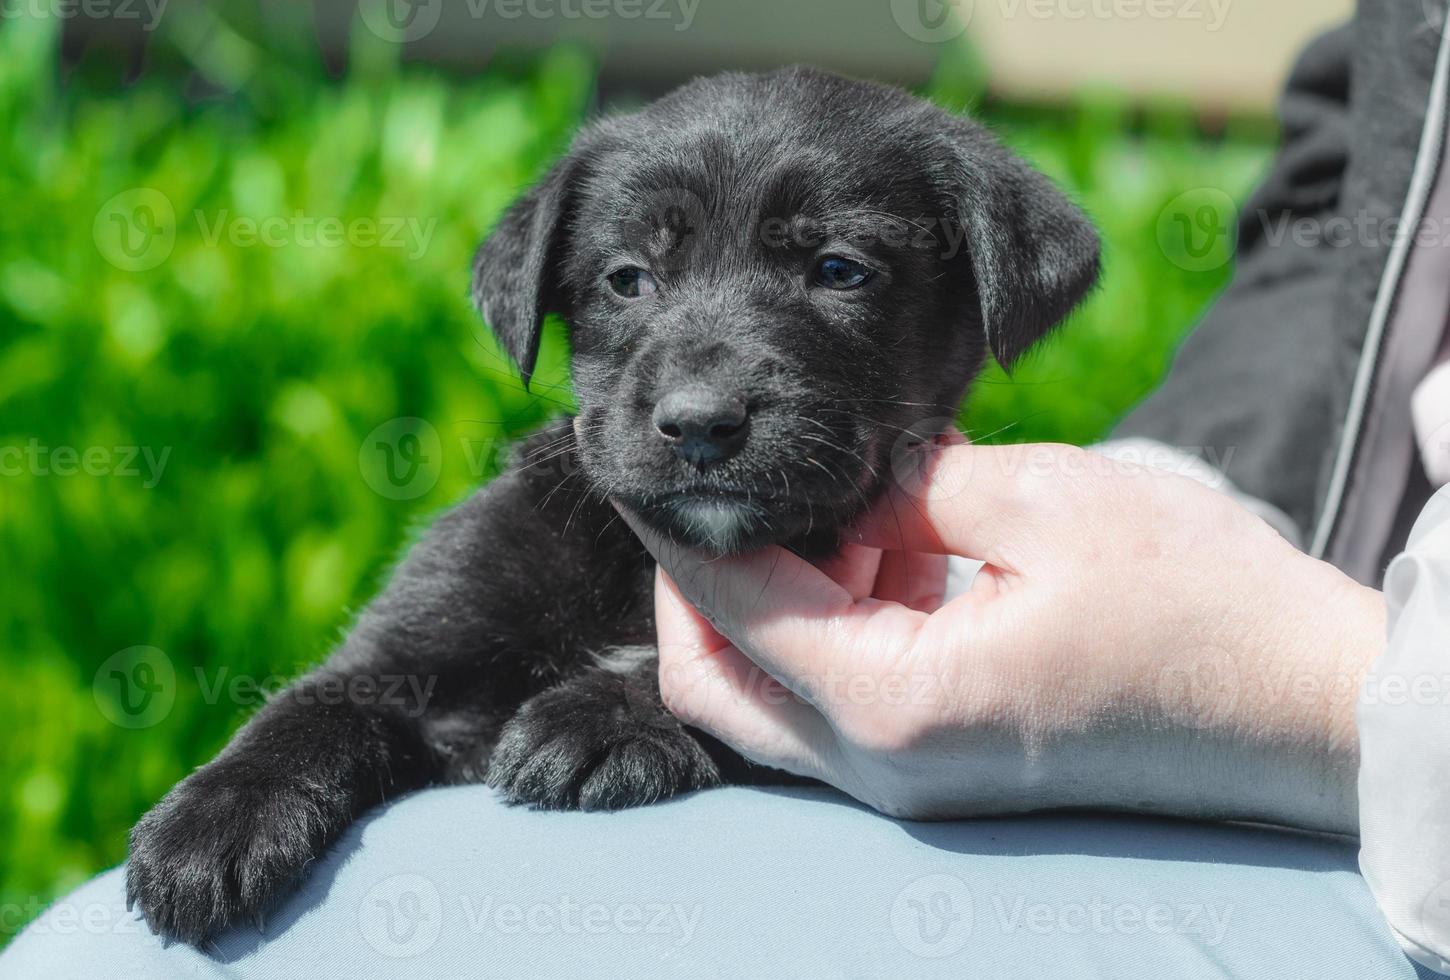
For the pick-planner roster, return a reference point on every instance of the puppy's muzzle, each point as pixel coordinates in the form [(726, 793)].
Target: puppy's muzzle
[(702, 424)]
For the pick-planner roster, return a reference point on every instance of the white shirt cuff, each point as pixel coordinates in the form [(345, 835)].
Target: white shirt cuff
[(1404, 737)]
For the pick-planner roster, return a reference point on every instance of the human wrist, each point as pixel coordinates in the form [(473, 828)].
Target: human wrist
[(1276, 740), (1247, 713)]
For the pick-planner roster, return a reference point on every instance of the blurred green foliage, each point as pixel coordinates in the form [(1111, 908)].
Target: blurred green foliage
[(246, 376)]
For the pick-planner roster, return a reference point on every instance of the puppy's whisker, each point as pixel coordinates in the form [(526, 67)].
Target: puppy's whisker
[(897, 401), (877, 423), (544, 503), (997, 432), (583, 499), (533, 392)]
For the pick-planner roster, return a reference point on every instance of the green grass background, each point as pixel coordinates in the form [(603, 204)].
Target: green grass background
[(262, 369)]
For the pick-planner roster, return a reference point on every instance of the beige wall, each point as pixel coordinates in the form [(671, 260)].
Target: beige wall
[(1216, 53)]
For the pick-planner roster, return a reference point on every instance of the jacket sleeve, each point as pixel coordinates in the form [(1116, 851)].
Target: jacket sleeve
[(1255, 381), (1404, 736)]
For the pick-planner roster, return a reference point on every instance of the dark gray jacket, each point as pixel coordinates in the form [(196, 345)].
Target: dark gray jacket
[(1300, 375)]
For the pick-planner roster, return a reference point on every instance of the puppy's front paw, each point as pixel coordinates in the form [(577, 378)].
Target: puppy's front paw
[(598, 742), (218, 849)]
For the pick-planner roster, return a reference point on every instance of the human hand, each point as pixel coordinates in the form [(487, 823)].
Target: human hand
[(1136, 640)]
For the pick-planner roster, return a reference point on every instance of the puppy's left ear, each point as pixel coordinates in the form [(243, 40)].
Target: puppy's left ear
[(516, 269), (1034, 254)]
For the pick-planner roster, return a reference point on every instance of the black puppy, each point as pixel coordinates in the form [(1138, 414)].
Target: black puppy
[(771, 280)]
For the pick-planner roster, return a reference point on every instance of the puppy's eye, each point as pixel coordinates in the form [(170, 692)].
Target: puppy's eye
[(632, 282), (838, 272)]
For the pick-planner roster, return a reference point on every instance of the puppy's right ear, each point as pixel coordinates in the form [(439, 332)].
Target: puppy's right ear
[(516, 269)]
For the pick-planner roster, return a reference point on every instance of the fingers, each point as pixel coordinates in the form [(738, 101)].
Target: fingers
[(912, 578), (784, 614), (854, 568), (708, 683), (779, 610)]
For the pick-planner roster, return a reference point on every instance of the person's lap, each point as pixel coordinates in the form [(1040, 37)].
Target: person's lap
[(749, 882)]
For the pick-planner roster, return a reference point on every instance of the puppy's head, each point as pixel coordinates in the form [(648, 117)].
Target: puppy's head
[(772, 281)]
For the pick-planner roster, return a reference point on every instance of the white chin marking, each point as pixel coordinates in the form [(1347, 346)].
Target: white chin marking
[(718, 523)]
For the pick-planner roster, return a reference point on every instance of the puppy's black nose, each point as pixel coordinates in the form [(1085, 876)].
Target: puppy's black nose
[(702, 424)]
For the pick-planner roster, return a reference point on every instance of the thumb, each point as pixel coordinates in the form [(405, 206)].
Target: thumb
[(972, 501)]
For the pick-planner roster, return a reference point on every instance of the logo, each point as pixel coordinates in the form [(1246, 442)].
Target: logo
[(1435, 915), (401, 459), (1197, 230), (932, 21), (914, 463), (136, 229), (1435, 15), (401, 916), (932, 916), (673, 226), (1200, 687), (401, 21), (136, 687)]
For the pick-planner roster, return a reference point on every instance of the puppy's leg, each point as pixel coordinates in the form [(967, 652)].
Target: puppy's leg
[(234, 834), (500, 600), (601, 740)]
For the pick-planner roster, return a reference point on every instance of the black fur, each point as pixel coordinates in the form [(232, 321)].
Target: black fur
[(525, 613)]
